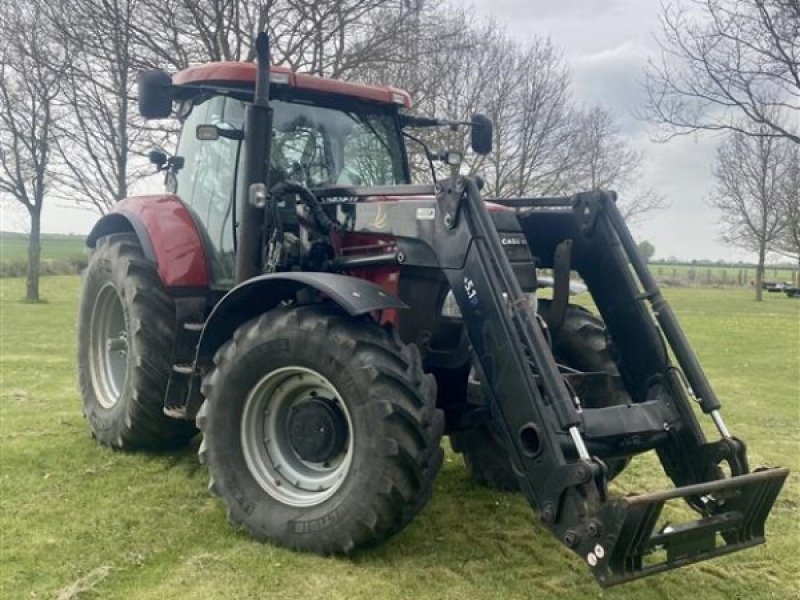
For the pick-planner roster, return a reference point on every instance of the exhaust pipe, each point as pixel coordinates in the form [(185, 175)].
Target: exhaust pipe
[(257, 145)]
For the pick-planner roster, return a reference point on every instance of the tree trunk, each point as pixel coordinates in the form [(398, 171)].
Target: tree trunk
[(762, 254), (34, 254), (796, 277)]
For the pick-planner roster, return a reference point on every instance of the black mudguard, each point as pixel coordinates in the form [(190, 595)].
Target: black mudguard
[(258, 295)]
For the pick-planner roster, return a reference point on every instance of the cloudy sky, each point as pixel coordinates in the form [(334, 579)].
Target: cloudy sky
[(607, 43)]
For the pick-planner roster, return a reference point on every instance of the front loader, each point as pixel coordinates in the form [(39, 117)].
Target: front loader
[(324, 322)]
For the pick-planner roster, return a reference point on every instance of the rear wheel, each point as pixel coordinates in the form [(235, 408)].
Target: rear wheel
[(126, 334), (582, 345), (320, 432)]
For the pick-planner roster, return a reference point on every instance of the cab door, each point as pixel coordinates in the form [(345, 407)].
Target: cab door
[(207, 182)]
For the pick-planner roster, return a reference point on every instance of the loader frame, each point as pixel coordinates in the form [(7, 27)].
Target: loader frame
[(553, 442)]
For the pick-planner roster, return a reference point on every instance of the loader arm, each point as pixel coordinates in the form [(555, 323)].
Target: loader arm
[(536, 410)]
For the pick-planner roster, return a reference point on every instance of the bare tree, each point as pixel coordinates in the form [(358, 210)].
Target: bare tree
[(322, 37), (462, 66), (430, 64), (543, 144), (99, 137), (608, 161), (646, 249), (540, 134), (788, 243), (102, 138), (727, 65), (31, 71), (750, 173), (525, 90)]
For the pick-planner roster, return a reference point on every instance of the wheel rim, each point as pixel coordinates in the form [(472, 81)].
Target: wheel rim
[(109, 347), (272, 432)]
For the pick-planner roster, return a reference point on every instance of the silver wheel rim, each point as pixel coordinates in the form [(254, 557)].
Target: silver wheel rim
[(108, 348), (265, 439)]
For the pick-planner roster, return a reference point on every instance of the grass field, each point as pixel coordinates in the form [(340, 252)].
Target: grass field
[(14, 246), (81, 521)]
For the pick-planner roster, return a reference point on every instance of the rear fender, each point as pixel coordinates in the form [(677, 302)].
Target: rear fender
[(260, 294), (167, 234)]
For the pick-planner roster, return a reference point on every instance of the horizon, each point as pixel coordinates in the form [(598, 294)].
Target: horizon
[(774, 260)]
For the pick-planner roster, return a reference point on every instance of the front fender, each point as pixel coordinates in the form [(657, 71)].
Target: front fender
[(260, 294)]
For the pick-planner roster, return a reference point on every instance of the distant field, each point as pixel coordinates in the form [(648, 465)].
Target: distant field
[(78, 521), (14, 246), (718, 273)]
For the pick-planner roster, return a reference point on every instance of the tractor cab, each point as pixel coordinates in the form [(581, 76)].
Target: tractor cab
[(325, 133)]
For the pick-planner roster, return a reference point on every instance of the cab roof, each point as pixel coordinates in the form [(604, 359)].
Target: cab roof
[(244, 73)]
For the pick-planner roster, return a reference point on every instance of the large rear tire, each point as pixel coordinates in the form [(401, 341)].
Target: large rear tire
[(320, 431), (126, 334), (582, 344)]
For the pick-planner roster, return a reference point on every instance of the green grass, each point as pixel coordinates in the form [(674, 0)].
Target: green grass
[(81, 521), (14, 246)]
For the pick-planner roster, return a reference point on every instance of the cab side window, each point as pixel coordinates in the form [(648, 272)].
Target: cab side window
[(207, 181)]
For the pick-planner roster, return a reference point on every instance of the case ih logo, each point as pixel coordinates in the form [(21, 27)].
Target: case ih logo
[(508, 240)]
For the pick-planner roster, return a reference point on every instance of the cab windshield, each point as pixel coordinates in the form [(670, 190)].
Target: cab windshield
[(356, 144), (321, 146)]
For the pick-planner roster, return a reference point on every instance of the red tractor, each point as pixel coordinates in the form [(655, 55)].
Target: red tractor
[(324, 322)]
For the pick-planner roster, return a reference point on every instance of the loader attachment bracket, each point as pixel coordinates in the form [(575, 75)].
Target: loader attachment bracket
[(729, 450), (572, 475), (630, 547)]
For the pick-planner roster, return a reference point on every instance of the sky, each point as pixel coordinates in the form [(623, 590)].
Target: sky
[(606, 43)]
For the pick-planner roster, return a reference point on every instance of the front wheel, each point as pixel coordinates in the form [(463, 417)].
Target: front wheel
[(320, 431)]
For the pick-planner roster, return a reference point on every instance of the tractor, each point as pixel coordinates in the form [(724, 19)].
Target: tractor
[(323, 322)]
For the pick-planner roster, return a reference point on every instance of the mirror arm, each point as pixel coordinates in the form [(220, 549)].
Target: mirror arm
[(420, 122), (428, 153)]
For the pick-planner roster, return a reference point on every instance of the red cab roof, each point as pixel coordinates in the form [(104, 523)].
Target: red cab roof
[(245, 73)]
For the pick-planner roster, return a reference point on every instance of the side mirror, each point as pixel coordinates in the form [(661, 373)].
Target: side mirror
[(155, 94), (450, 157), (481, 140), (164, 162), (158, 158), (209, 133)]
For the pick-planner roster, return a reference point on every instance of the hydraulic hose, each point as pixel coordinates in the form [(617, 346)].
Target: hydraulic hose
[(325, 223)]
